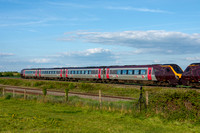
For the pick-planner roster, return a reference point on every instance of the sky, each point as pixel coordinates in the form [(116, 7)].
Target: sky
[(66, 33)]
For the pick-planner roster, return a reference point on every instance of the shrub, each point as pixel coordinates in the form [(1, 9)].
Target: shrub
[(7, 97), (71, 86)]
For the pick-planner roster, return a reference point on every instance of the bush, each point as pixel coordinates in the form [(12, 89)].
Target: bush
[(7, 97), (178, 105), (71, 86), (8, 74)]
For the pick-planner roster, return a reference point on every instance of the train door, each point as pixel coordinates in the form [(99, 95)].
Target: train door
[(107, 73), (36, 71), (99, 73), (39, 73), (66, 72), (149, 73), (60, 73), (24, 73)]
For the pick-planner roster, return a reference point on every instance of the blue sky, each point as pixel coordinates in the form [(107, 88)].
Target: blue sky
[(58, 33)]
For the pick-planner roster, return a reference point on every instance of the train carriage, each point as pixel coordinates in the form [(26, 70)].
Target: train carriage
[(130, 73), (148, 74)]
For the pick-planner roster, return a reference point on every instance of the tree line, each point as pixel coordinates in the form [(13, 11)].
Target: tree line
[(9, 74)]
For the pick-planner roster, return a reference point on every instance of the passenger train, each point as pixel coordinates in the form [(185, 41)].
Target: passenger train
[(156, 74)]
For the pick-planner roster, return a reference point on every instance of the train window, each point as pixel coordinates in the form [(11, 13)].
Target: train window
[(143, 72), (188, 69), (86, 72), (177, 68), (118, 71), (124, 72), (89, 72), (149, 71), (93, 72), (136, 72), (113, 71), (130, 72)]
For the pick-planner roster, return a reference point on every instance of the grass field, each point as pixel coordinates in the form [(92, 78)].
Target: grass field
[(33, 116)]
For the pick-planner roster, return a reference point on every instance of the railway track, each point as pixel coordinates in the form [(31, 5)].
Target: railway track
[(123, 85), (34, 91)]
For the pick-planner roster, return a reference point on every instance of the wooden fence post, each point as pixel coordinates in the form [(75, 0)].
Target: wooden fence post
[(3, 91), (66, 94), (44, 94), (25, 94), (122, 109), (13, 92), (147, 98), (100, 100)]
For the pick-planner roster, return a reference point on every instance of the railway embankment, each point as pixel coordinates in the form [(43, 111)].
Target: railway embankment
[(167, 103)]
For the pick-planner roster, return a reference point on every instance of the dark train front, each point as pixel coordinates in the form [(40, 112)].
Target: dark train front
[(168, 74), (191, 75)]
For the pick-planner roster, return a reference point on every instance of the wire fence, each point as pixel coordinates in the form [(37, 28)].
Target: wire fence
[(98, 101)]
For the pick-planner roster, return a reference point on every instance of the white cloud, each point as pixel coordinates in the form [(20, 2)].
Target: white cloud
[(88, 52), (154, 41), (156, 61), (96, 51), (43, 60), (138, 9), (67, 4), (192, 58), (88, 57), (6, 54)]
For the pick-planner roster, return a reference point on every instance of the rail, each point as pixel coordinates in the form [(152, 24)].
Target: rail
[(34, 91)]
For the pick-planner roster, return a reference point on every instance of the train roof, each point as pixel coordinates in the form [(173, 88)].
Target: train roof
[(93, 67), (195, 64)]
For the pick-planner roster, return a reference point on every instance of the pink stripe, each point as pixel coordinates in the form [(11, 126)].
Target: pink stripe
[(39, 73), (99, 74), (107, 73), (149, 73), (66, 72), (61, 73)]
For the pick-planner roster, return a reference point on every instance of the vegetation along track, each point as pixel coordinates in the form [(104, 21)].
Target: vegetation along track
[(35, 91), (122, 85)]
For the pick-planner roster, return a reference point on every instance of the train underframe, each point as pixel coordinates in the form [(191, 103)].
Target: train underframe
[(112, 81)]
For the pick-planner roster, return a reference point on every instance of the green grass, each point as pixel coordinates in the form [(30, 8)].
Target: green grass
[(166, 103), (107, 89), (33, 116)]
